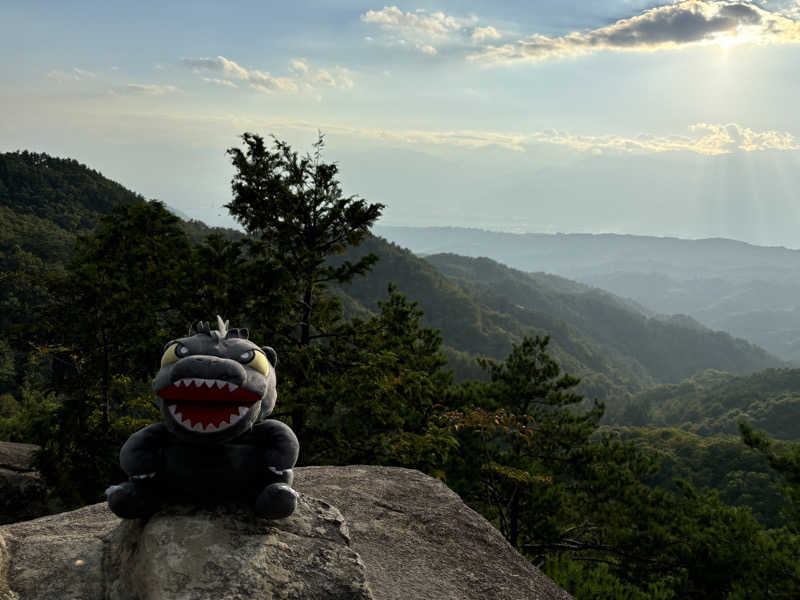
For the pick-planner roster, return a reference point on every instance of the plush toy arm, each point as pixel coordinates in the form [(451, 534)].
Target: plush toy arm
[(141, 456), (278, 441)]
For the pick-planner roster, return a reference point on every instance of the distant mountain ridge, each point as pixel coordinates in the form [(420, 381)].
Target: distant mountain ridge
[(750, 291), (578, 254)]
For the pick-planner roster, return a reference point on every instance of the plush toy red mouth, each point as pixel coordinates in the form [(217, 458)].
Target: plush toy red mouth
[(207, 405)]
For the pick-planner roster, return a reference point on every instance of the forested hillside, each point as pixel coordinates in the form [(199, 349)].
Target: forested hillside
[(711, 463), (45, 200), (638, 512), (713, 403), (482, 307)]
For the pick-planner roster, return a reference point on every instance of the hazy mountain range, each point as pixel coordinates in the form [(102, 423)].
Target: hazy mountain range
[(749, 291)]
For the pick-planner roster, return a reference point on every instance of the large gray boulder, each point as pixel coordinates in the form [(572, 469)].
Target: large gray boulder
[(22, 491), (400, 534), (419, 540)]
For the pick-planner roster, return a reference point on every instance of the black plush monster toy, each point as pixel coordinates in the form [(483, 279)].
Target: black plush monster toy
[(214, 390)]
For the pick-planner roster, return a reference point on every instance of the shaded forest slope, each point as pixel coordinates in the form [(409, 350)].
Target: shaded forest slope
[(482, 307)]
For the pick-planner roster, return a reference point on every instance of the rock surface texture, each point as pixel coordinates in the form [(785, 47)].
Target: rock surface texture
[(22, 491), (402, 535), (419, 540)]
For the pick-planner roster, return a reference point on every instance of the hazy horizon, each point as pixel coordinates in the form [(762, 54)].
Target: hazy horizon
[(669, 119)]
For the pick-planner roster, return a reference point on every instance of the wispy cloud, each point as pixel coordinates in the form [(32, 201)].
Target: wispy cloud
[(300, 77), (145, 89), (225, 82), (220, 64), (671, 26), (83, 74), (75, 74), (702, 138), (710, 139)]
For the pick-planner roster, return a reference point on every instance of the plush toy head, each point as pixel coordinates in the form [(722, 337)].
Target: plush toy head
[(213, 386)]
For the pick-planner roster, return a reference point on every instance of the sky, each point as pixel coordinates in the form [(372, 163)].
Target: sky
[(623, 116)]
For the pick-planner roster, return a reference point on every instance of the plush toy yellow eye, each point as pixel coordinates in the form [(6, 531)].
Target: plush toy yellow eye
[(173, 353), (255, 360)]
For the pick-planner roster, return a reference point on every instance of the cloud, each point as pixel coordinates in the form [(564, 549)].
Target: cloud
[(83, 74), (225, 82), (722, 139), (220, 64), (301, 77), (481, 34), (75, 75), (703, 138), (58, 75), (299, 65), (430, 26), (265, 82), (664, 27), (146, 89), (708, 139), (425, 31)]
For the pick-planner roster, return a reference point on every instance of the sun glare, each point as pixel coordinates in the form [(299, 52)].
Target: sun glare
[(740, 36), (725, 43)]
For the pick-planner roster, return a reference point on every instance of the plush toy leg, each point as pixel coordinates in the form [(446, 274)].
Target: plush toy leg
[(276, 501), (133, 500)]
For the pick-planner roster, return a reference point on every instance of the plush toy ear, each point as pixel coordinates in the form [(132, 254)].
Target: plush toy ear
[(271, 355)]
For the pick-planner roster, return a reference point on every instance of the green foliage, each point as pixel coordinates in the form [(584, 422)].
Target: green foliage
[(525, 438), (101, 334), (593, 580), (577, 500), (724, 464), (382, 403), (59, 191), (713, 403), (786, 462), (124, 288), (296, 216)]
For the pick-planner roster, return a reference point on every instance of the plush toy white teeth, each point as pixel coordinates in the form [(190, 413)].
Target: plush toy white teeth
[(209, 383), (207, 427)]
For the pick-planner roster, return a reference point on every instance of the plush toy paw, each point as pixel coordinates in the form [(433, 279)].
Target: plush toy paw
[(277, 501), (131, 501)]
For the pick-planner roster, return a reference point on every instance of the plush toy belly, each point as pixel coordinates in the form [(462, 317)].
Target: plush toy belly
[(219, 472)]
